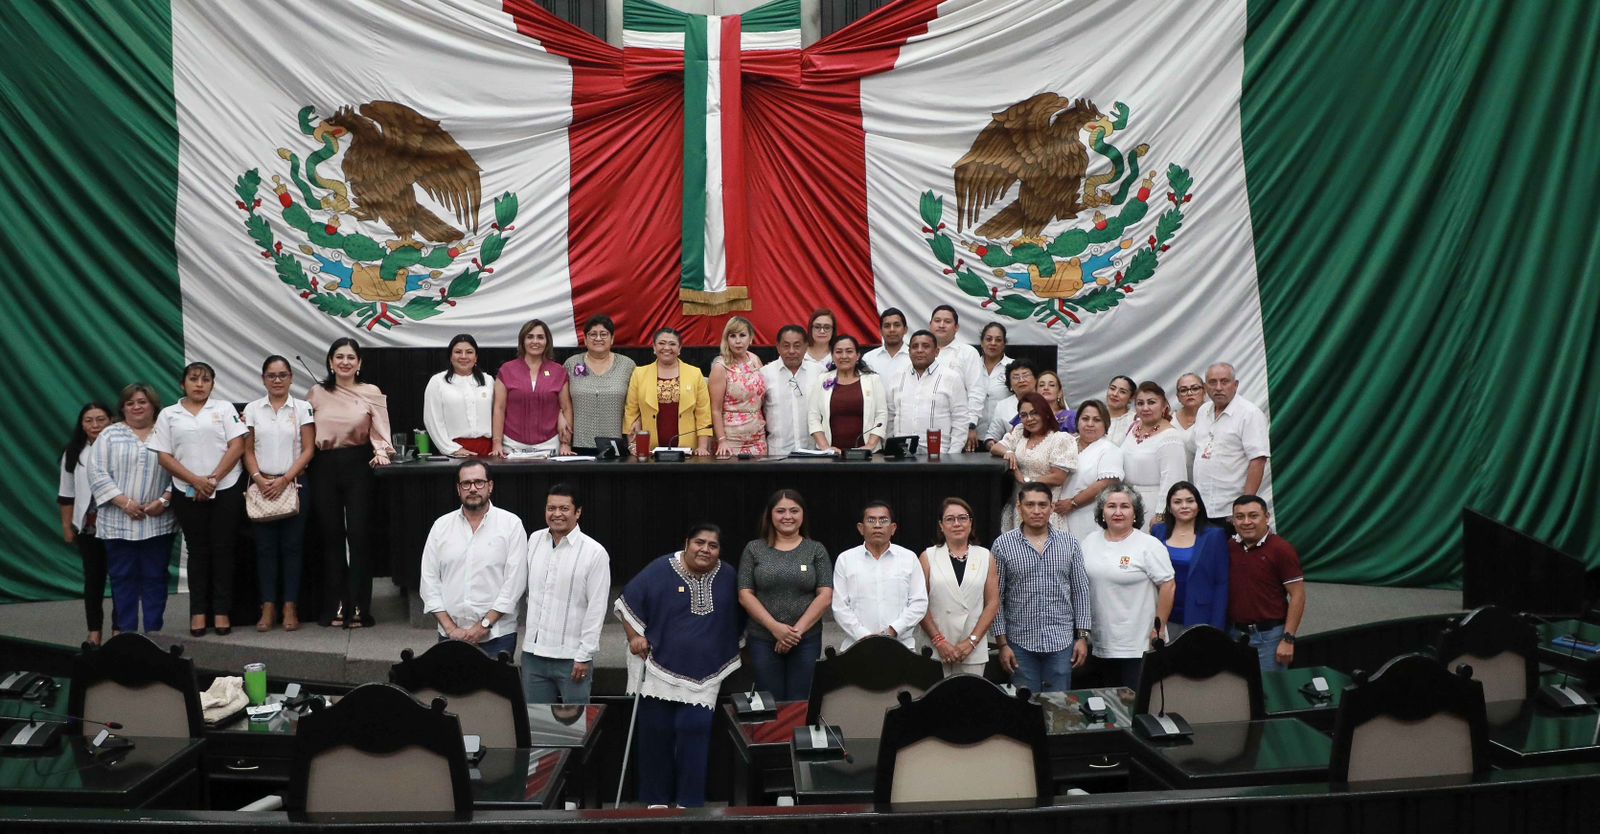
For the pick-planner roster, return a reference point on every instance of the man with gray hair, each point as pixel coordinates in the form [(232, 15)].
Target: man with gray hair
[(1231, 446)]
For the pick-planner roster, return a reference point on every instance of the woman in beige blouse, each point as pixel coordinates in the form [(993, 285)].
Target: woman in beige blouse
[(352, 419)]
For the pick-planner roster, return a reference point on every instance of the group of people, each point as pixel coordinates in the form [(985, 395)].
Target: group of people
[(1046, 599), (133, 476)]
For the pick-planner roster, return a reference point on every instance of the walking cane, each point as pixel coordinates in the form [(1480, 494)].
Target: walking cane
[(627, 746)]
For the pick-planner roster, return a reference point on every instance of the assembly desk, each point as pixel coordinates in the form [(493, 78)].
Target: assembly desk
[(641, 509)]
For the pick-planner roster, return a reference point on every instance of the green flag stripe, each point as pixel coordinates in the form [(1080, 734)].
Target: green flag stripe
[(645, 16), (696, 65), (91, 167), (777, 16)]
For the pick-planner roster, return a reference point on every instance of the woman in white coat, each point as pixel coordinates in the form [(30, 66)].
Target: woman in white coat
[(963, 592), (848, 406)]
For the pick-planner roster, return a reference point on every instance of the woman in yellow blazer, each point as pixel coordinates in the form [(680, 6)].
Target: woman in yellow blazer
[(865, 420), (667, 386)]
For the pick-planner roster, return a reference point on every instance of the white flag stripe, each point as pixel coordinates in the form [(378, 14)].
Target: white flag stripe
[(635, 39), (769, 41), (716, 223), (1178, 67), (243, 71)]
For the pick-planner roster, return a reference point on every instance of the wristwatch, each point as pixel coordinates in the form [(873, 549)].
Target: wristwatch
[(486, 622), (1083, 634), (1288, 638), (165, 501), (973, 638), (971, 426)]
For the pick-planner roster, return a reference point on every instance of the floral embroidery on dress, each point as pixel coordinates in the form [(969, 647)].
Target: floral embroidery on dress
[(700, 599), (667, 390)]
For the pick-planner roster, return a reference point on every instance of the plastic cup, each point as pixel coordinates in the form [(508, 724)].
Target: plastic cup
[(641, 445), (934, 438), (424, 444), (255, 683)]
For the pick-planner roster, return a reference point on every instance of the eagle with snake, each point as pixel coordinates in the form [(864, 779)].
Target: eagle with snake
[(393, 150), (1036, 143)]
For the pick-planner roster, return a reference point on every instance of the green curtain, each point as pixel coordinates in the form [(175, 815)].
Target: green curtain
[(86, 213), (1422, 179)]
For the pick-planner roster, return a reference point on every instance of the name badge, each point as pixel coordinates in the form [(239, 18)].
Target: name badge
[(680, 589), (802, 568)]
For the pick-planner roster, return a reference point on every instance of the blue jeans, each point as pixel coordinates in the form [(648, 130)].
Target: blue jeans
[(138, 575), (1042, 671), (787, 676), (545, 678), (280, 551), (1265, 642)]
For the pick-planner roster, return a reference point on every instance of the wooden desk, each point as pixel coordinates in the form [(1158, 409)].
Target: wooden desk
[(761, 751), (155, 772), (1286, 696), (1528, 733), (1275, 751), (1084, 753), (1564, 658), (638, 509), (577, 728), (836, 781)]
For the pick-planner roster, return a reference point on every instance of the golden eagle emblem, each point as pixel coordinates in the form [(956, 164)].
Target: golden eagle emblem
[(1036, 143), (393, 150)]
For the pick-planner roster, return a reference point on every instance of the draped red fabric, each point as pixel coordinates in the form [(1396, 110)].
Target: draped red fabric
[(805, 179)]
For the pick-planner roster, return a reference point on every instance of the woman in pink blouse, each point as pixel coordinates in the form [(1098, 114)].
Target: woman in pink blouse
[(352, 419), (532, 403)]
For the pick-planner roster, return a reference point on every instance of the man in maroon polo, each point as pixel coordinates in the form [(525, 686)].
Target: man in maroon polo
[(1266, 588)]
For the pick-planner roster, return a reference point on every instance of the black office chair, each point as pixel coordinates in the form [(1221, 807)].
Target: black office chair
[(1499, 645), (851, 689), (1205, 676), (378, 750), (964, 740), (1413, 718), (131, 681), (484, 692)]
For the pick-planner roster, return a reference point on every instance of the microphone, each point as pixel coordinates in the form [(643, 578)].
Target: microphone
[(34, 716), (828, 730), (671, 455), (857, 453), (307, 366), (689, 433), (1161, 726)]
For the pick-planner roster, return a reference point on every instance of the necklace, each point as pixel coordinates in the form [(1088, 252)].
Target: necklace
[(1141, 434)]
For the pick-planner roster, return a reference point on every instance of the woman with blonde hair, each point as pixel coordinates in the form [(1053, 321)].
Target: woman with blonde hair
[(737, 392)]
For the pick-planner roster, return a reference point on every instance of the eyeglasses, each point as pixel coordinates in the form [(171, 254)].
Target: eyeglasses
[(598, 335), (821, 327), (877, 522), (1191, 389), (957, 519), (472, 485), (277, 377)]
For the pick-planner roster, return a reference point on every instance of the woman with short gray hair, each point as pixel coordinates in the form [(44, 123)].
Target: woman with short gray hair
[(1131, 583)]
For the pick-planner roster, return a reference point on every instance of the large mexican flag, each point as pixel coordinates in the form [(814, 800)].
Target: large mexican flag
[(1375, 213)]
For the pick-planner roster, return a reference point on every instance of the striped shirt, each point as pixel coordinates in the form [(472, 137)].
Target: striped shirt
[(568, 587), (122, 464), (1043, 597)]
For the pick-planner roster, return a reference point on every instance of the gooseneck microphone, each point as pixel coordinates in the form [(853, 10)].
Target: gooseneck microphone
[(829, 730), (34, 717), (307, 366)]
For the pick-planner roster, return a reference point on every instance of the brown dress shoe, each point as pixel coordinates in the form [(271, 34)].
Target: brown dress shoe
[(269, 615)]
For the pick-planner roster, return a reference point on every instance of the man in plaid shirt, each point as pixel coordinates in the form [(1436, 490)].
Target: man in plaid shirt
[(1043, 627)]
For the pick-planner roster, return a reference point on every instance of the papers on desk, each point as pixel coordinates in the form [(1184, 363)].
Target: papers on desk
[(539, 455), (568, 458), (683, 449), (811, 453)]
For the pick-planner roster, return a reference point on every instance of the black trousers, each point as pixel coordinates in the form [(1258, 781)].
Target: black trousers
[(211, 534), (344, 491), (93, 553)]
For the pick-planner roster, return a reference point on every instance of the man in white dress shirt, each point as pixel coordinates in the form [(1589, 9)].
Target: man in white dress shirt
[(569, 585), (1231, 446), (474, 566), (892, 357), (928, 395), (788, 378), (878, 586), (965, 360)]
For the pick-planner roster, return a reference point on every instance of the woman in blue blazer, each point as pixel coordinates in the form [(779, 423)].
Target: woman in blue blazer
[(1199, 552)]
